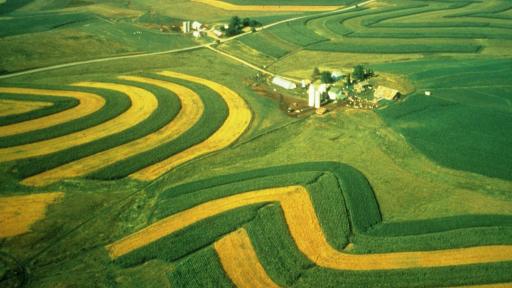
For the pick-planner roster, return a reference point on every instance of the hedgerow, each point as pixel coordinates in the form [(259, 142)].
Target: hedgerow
[(58, 104)]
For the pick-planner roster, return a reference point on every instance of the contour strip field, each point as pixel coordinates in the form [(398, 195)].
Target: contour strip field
[(191, 110), (13, 107), (267, 8), (89, 103), (234, 126), (18, 213), (307, 234), (143, 105)]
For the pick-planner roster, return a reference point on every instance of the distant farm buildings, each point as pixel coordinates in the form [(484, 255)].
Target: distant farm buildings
[(281, 82), (386, 93)]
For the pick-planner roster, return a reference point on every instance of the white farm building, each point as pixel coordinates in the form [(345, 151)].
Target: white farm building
[(196, 25), (281, 82)]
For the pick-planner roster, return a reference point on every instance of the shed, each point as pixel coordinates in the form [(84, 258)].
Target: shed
[(286, 84), (383, 92), (361, 86)]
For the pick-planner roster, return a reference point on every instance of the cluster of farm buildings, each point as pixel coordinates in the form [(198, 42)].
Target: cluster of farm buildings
[(353, 93)]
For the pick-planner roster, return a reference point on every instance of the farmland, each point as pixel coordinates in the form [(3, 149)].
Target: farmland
[(139, 164)]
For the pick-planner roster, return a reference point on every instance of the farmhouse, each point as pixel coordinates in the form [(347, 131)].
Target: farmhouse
[(387, 93), (286, 84)]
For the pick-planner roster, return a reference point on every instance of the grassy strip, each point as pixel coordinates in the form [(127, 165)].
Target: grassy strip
[(168, 107), (215, 112), (115, 104), (59, 104), (393, 49)]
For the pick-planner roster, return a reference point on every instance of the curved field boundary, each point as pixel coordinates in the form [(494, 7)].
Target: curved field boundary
[(191, 110), (143, 105), (267, 8), (234, 126), (14, 107), (18, 213), (56, 105), (89, 103), (269, 233), (308, 235)]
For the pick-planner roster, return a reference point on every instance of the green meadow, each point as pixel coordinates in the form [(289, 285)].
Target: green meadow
[(421, 177)]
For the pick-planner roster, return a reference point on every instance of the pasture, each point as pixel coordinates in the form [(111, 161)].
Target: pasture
[(173, 171)]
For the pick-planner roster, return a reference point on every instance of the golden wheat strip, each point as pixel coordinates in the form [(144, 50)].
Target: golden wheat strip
[(13, 107), (267, 8), (89, 103), (234, 126), (143, 105), (18, 213), (191, 110), (240, 262), (307, 233)]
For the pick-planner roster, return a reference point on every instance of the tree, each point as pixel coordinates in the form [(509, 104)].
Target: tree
[(358, 73), (246, 22), (235, 22), (316, 73), (326, 77)]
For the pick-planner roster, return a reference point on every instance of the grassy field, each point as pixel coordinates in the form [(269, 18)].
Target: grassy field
[(414, 194)]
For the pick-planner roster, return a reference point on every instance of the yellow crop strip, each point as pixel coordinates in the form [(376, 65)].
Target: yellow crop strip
[(307, 233), (267, 8), (89, 103), (234, 126), (18, 213), (191, 110), (240, 261), (13, 107), (143, 105)]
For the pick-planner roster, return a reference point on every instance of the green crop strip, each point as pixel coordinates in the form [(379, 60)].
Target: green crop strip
[(168, 107), (350, 216), (215, 112), (58, 104)]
